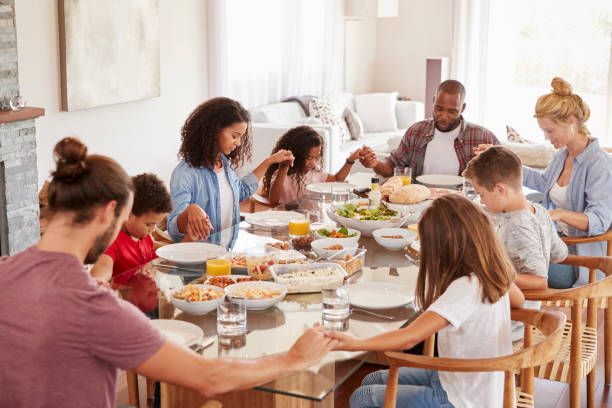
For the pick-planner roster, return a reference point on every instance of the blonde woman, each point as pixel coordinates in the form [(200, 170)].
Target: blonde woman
[(577, 184)]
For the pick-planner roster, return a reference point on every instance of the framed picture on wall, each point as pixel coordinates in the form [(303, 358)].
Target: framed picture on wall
[(109, 52)]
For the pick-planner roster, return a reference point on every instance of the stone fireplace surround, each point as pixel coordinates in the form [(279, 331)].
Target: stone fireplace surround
[(19, 209)]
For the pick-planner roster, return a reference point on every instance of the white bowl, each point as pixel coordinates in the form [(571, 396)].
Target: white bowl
[(197, 308), (350, 231), (394, 244), (319, 245), (367, 226), (257, 304)]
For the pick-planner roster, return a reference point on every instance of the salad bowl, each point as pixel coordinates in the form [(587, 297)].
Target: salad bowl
[(365, 219)]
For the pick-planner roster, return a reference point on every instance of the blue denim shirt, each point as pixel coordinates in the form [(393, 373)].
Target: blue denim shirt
[(199, 185), (589, 191)]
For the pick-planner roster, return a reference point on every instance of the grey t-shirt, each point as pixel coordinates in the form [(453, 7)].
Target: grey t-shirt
[(532, 243)]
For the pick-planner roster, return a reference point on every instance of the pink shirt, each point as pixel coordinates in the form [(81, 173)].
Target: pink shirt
[(63, 335), (290, 189)]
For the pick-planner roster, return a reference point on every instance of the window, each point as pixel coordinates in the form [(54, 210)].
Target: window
[(530, 42)]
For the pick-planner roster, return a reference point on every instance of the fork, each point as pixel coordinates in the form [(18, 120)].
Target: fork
[(382, 316)]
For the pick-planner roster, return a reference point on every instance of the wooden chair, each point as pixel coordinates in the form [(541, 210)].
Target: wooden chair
[(257, 199), (603, 302), (578, 353), (548, 322)]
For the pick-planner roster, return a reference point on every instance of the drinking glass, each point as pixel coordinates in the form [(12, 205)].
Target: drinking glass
[(468, 190), (17, 102), (231, 318), (299, 227), (217, 267), (340, 196), (405, 173), (336, 308)]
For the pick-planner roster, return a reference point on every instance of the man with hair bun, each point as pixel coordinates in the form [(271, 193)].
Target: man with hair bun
[(64, 336), (443, 144)]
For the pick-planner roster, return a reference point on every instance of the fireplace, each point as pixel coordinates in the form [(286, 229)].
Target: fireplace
[(19, 210)]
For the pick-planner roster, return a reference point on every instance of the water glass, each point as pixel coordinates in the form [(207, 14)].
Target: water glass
[(231, 319), (468, 190), (405, 173), (340, 196), (336, 308)]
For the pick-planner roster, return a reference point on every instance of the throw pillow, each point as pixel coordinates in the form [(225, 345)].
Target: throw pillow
[(324, 108), (355, 126), (513, 136), (310, 121), (377, 111)]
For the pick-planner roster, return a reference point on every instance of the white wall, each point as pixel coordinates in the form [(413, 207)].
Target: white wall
[(359, 55), (422, 30), (143, 136)]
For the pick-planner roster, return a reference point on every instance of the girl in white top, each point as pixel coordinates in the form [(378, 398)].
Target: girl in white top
[(465, 288)]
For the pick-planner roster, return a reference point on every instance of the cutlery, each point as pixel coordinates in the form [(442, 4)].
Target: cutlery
[(201, 346), (382, 316), (160, 265), (412, 259)]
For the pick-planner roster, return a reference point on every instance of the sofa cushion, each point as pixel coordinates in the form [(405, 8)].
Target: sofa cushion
[(377, 140), (355, 125), (377, 111), (284, 112), (513, 136), (325, 108), (533, 154)]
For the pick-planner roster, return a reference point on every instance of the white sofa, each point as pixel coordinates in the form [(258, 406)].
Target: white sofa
[(271, 121)]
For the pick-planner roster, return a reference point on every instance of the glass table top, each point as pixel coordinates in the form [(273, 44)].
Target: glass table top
[(275, 329)]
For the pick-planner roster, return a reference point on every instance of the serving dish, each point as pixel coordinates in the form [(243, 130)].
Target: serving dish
[(256, 295), (196, 307), (308, 278)]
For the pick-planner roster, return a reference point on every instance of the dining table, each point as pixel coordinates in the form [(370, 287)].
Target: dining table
[(276, 328)]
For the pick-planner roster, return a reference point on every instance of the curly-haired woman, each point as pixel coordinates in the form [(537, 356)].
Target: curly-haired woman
[(216, 139), (283, 183)]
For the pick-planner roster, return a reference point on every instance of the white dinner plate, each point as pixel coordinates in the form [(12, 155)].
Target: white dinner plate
[(440, 180), (379, 295), (190, 253), (272, 218), (326, 188), (179, 331)]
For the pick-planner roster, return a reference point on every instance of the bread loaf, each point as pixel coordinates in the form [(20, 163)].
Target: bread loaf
[(410, 194), (389, 187)]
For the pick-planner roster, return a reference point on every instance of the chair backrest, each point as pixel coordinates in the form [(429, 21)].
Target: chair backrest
[(606, 236), (550, 323)]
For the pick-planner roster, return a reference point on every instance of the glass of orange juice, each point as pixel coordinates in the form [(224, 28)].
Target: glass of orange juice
[(299, 227), (405, 173), (217, 267)]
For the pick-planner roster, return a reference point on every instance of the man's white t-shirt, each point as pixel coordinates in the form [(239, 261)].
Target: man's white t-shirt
[(476, 330), (440, 154), (226, 196)]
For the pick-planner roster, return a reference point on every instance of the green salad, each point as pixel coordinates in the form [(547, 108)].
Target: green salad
[(379, 213), (340, 233)]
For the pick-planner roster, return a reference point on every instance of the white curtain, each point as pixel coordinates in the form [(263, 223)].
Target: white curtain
[(469, 52), (266, 50)]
